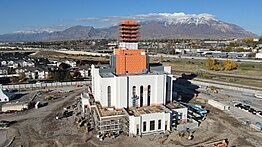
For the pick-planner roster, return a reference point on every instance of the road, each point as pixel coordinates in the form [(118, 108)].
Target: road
[(169, 57), (226, 85)]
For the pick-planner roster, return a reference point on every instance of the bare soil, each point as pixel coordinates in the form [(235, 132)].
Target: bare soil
[(38, 127)]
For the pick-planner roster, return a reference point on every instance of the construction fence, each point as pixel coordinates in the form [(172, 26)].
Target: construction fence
[(43, 85)]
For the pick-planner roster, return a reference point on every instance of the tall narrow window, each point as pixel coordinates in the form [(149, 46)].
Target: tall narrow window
[(148, 94), (134, 90), (144, 126), (141, 95), (109, 96), (159, 124), (167, 94), (152, 125), (137, 129)]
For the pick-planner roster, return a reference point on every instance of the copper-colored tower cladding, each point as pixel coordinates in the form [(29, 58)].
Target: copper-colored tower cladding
[(129, 60), (128, 31)]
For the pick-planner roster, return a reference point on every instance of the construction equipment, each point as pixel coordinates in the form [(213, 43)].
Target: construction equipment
[(202, 111), (211, 89), (4, 123), (219, 143), (187, 134), (49, 97)]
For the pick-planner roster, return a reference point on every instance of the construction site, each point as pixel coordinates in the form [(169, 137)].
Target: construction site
[(131, 102), (39, 127)]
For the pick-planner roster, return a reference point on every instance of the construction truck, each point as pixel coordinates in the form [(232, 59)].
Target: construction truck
[(4, 124)]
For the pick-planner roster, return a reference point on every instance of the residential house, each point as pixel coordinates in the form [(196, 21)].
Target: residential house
[(3, 63), (71, 63), (33, 72), (85, 71), (4, 70)]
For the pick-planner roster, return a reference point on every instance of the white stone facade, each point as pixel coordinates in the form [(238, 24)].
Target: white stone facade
[(118, 91)]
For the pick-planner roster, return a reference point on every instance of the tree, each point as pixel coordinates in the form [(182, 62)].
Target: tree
[(13, 79), (61, 75), (240, 50), (230, 65), (64, 66), (22, 76), (212, 64), (172, 52), (75, 74), (161, 58)]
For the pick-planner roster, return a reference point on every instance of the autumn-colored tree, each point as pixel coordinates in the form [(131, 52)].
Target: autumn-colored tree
[(212, 64), (22, 76), (161, 58), (75, 74), (230, 65), (13, 79)]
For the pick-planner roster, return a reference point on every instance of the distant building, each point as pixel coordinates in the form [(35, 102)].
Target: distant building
[(19, 106), (4, 70), (259, 55), (33, 72), (85, 71), (214, 43)]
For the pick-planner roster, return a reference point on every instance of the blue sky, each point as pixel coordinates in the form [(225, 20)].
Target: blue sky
[(18, 15)]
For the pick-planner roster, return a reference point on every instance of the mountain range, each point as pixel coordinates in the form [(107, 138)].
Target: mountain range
[(163, 26)]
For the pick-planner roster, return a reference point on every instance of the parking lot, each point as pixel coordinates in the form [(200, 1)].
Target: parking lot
[(232, 98)]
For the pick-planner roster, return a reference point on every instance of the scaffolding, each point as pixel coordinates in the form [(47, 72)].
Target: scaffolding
[(109, 121)]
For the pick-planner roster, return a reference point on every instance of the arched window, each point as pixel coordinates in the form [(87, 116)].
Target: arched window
[(141, 95), (109, 96), (134, 90), (148, 95)]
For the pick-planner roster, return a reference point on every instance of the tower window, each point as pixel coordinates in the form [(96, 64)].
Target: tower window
[(148, 94), (109, 96), (141, 95), (134, 90)]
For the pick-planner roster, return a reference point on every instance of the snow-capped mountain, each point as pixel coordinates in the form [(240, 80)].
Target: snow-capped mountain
[(41, 30), (36, 31), (153, 26), (178, 18)]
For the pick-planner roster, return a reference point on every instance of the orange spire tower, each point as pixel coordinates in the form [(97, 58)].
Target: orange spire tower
[(128, 58), (128, 31)]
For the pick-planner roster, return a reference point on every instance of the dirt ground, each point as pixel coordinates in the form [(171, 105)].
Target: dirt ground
[(38, 127)]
